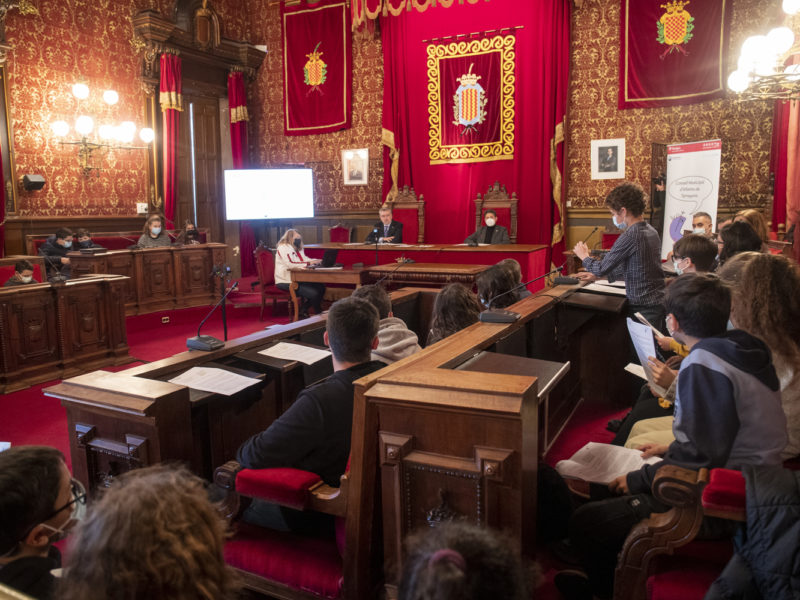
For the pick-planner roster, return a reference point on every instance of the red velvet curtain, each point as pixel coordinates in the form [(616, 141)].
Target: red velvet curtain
[(541, 84), (237, 107), (171, 105), (778, 160)]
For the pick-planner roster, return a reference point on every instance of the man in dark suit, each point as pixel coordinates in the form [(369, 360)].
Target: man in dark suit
[(386, 231), (491, 233)]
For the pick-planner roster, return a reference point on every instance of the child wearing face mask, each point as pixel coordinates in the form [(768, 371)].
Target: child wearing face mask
[(289, 254), (23, 274), (55, 250), (490, 233), (154, 235), (84, 239)]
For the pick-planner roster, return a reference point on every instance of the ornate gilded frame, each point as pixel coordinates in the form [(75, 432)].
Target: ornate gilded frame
[(502, 149), (6, 142)]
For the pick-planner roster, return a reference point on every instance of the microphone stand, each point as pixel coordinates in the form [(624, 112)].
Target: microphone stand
[(377, 237), (207, 342), (495, 315)]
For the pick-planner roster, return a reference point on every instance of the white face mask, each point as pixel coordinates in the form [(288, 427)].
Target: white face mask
[(27, 279), (78, 502), (700, 230), (678, 270), (490, 221)]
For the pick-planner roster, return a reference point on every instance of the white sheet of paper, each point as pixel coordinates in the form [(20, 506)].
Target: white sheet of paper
[(288, 351), (602, 463), (641, 318), (356, 243), (328, 268), (217, 381), (642, 337), (5, 446), (605, 289), (616, 284)]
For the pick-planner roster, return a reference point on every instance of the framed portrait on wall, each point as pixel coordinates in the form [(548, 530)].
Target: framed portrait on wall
[(355, 166), (608, 159)]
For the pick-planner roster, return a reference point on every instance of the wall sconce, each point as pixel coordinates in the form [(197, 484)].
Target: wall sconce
[(112, 136)]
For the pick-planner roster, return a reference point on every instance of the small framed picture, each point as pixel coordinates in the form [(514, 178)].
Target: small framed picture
[(355, 166), (608, 159)]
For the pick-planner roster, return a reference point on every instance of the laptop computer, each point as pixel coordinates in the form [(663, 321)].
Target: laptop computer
[(328, 260)]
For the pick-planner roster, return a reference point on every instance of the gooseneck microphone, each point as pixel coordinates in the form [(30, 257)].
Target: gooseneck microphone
[(498, 315), (206, 343)]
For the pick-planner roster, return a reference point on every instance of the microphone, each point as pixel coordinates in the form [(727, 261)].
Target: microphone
[(207, 343), (375, 233), (400, 262), (596, 227), (497, 315)]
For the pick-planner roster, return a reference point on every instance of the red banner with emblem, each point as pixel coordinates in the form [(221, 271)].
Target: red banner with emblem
[(672, 52), (317, 67)]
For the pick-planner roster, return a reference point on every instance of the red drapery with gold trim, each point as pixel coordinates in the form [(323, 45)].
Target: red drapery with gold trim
[(171, 102), (540, 100), (778, 162), (237, 108)]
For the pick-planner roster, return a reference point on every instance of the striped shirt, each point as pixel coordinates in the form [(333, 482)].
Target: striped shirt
[(635, 258)]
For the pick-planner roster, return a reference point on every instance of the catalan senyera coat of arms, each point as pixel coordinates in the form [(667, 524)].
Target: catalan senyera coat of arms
[(315, 71), (469, 102), (675, 27)]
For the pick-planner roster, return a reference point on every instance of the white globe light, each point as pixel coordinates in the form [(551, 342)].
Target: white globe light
[(738, 81), (791, 7), (756, 48), (84, 125), (110, 97), (106, 132), (127, 131), (780, 39), (60, 128), (80, 91), (118, 133), (147, 135), (765, 68), (745, 64)]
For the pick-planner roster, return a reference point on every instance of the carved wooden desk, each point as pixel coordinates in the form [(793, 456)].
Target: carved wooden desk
[(438, 274), (350, 276)]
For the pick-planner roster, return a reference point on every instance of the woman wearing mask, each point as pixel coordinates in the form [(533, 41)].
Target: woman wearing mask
[(635, 257), (189, 235), (154, 235), (491, 233), (290, 255)]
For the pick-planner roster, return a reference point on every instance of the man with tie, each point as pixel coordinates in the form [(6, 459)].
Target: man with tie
[(386, 231)]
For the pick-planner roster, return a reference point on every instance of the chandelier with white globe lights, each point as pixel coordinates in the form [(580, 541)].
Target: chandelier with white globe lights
[(115, 136)]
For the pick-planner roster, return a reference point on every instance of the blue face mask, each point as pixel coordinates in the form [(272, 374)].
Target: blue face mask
[(68, 244), (678, 270), (155, 230), (620, 224), (730, 325), (700, 230)]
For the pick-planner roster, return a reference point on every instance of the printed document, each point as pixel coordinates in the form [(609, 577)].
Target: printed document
[(303, 354), (605, 289), (642, 338), (602, 463), (217, 381)]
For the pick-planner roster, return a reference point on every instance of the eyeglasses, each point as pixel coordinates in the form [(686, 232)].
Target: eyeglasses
[(78, 496)]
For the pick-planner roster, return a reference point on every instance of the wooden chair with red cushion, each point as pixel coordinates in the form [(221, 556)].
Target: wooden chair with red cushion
[(505, 206), (410, 211), (339, 234), (265, 266)]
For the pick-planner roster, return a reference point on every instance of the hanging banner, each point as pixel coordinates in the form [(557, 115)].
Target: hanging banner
[(672, 52), (692, 187), (317, 67), (471, 100)]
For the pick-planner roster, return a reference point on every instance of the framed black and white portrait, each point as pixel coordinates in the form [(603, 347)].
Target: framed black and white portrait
[(608, 159), (355, 166)]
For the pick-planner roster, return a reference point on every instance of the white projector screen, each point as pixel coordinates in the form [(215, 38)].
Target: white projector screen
[(252, 194)]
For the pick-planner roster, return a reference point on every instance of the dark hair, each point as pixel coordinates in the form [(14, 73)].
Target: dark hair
[(697, 247), (493, 283), (63, 233), (377, 296), (23, 265), (701, 302), (352, 325), (738, 237), (490, 210), (455, 307), (702, 214), (150, 219), (30, 478), (460, 561), (629, 196), (83, 232), (153, 534), (766, 299), (512, 266)]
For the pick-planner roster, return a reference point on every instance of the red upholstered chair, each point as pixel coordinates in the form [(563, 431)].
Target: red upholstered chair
[(7, 268), (281, 564), (265, 266), (339, 234), (497, 199), (410, 211)]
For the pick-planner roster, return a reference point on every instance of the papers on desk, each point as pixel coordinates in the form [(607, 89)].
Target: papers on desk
[(359, 243), (216, 381), (303, 354), (616, 284), (327, 268), (471, 244), (605, 289), (642, 338), (602, 463)]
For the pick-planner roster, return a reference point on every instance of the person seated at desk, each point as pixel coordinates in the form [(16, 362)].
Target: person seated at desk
[(454, 309), (189, 235), (84, 239), (694, 253), (737, 237), (289, 254), (39, 503), (395, 339), (153, 534), (496, 287), (386, 231), (23, 274), (154, 235), (516, 274), (491, 233), (54, 251), (314, 433)]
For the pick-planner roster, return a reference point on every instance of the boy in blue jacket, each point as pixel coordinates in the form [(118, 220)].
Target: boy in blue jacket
[(727, 414)]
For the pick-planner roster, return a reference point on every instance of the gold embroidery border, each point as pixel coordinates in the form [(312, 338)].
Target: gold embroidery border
[(716, 90), (503, 149)]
